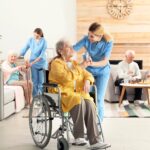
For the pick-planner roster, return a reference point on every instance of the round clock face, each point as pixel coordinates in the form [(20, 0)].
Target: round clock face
[(119, 8)]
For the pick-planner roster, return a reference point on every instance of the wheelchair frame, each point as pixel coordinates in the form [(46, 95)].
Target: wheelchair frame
[(47, 112)]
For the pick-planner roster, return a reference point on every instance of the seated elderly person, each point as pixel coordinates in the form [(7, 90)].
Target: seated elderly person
[(128, 70), (74, 83), (12, 73)]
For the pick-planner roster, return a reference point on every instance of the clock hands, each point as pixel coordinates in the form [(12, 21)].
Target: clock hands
[(119, 8)]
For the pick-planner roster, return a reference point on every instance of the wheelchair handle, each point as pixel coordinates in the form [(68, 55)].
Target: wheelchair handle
[(54, 85)]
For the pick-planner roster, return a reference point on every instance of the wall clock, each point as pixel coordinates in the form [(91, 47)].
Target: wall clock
[(119, 9)]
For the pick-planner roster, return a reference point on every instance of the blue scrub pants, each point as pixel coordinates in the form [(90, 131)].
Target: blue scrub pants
[(37, 79), (101, 82)]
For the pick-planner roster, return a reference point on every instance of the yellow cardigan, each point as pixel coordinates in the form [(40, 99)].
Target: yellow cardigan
[(68, 79)]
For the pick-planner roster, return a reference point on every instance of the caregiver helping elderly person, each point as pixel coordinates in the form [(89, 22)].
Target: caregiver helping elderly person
[(12, 73), (98, 45), (74, 83), (37, 45)]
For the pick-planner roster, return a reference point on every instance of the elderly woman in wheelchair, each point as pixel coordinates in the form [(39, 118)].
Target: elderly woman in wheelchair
[(73, 83)]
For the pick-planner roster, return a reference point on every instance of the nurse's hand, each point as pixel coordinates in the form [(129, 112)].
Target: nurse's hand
[(24, 68), (28, 65), (85, 64), (87, 86)]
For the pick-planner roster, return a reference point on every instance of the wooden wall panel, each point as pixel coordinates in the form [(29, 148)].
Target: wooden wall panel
[(133, 32)]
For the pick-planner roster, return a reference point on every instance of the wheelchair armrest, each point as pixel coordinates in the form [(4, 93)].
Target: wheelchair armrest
[(54, 85), (93, 87), (93, 93)]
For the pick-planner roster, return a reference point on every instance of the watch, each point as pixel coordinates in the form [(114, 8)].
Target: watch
[(119, 9)]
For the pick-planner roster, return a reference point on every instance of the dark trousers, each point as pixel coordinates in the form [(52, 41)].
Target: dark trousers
[(85, 114), (138, 91)]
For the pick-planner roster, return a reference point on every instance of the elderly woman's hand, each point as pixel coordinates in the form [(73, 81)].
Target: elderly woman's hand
[(87, 86), (19, 68)]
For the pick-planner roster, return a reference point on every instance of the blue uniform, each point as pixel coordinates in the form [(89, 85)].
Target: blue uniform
[(98, 51), (38, 50)]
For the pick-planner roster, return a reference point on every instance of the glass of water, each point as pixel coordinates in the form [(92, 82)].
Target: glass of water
[(126, 80)]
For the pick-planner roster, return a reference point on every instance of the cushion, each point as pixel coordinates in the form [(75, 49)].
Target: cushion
[(144, 74), (114, 72), (19, 97), (9, 109), (9, 95)]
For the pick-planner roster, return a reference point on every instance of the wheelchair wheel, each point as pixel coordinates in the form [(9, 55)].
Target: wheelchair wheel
[(40, 121), (62, 144)]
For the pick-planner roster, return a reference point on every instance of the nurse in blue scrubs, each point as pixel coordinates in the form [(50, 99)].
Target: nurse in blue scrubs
[(38, 46), (98, 45)]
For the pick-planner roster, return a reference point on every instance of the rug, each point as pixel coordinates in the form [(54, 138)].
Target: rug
[(112, 110)]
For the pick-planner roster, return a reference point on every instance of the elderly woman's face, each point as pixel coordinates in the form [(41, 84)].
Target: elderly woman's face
[(67, 51), (12, 58)]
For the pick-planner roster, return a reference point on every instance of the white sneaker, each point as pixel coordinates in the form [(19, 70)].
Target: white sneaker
[(99, 145), (79, 142), (138, 102), (27, 106), (37, 104), (125, 102)]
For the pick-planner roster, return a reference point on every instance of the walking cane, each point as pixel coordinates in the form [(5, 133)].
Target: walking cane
[(27, 79)]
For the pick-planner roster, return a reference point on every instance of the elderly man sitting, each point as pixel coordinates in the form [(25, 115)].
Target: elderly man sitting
[(12, 73), (129, 70), (74, 82)]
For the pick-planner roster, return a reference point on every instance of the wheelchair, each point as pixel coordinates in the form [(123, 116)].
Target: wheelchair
[(44, 109)]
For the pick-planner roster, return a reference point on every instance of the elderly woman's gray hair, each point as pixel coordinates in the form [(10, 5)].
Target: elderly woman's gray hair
[(130, 53), (61, 44), (12, 53)]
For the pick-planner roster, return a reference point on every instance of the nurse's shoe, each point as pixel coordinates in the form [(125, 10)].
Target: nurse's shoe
[(99, 145)]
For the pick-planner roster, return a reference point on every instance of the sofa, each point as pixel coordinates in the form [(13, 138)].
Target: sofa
[(8, 102), (112, 91)]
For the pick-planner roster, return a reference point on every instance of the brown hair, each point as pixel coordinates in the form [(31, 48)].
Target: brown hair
[(98, 29), (59, 46), (94, 26), (39, 31)]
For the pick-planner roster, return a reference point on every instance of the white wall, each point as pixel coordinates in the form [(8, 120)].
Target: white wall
[(18, 19)]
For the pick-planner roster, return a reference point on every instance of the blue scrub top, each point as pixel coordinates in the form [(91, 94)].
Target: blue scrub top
[(38, 49), (97, 51)]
